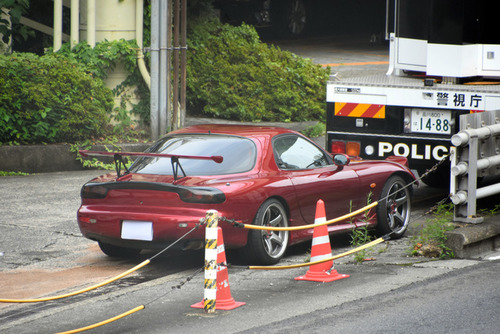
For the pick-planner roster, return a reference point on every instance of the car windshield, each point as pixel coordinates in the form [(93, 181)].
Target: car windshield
[(239, 155)]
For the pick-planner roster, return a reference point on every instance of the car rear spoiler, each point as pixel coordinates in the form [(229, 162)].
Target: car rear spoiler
[(117, 156)]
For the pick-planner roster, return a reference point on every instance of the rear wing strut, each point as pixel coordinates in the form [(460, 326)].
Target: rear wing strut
[(118, 158)]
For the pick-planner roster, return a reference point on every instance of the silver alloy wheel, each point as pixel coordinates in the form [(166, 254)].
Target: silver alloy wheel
[(398, 208), (394, 213), (274, 242)]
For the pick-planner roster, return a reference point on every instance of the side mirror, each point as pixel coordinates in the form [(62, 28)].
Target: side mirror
[(341, 160)]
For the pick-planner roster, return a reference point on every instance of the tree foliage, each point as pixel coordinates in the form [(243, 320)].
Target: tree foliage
[(13, 9), (233, 75)]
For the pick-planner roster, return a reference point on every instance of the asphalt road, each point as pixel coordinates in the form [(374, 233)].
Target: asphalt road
[(462, 301), (42, 253), (348, 56)]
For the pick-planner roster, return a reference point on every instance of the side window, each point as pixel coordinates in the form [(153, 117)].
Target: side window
[(294, 152)]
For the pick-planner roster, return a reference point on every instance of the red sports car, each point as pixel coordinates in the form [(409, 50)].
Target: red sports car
[(266, 176)]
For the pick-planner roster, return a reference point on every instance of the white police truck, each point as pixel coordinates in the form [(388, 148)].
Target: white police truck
[(444, 62)]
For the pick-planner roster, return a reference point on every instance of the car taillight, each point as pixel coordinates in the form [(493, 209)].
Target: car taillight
[(353, 148), (84, 219), (87, 220), (202, 195), (93, 191), (337, 147)]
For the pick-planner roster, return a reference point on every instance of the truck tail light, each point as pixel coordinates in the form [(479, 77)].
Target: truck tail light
[(337, 147), (350, 148), (353, 148)]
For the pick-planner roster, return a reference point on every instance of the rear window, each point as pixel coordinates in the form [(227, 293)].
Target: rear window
[(239, 155)]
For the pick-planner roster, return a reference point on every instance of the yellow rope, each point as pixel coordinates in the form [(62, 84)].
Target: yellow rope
[(102, 323), (139, 266), (303, 227), (370, 244)]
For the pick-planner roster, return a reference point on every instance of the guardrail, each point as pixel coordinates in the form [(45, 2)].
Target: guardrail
[(476, 154)]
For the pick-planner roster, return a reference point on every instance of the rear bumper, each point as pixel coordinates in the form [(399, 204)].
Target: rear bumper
[(107, 227)]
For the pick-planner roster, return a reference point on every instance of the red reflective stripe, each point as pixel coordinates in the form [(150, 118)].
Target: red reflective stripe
[(372, 110), (360, 110), (346, 109)]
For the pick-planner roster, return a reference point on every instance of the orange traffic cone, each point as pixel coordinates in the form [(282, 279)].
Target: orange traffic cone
[(321, 249), (223, 300)]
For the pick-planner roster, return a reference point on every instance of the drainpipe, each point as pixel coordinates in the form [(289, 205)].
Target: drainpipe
[(91, 22), (75, 22), (57, 38), (155, 64), (139, 17)]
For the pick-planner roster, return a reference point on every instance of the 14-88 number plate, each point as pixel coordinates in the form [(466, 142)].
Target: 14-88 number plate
[(430, 121)]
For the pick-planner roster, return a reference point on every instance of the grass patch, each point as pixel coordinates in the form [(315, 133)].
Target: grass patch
[(361, 235), (431, 240), (4, 173)]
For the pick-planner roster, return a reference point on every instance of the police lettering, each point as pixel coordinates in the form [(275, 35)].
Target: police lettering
[(412, 151)]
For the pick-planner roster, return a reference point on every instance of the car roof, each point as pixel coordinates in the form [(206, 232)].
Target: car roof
[(234, 129)]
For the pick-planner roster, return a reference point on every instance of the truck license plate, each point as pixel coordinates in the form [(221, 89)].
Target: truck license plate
[(431, 121)]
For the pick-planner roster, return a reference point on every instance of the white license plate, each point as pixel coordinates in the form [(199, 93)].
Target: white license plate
[(431, 121), (137, 230)]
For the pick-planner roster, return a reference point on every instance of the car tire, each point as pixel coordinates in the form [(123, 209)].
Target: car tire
[(117, 251), (268, 247), (393, 214)]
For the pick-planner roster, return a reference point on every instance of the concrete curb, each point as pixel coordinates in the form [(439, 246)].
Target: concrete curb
[(471, 240)]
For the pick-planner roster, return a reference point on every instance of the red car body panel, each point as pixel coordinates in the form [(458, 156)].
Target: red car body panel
[(343, 189)]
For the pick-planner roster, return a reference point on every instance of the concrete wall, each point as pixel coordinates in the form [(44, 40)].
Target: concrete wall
[(49, 158)]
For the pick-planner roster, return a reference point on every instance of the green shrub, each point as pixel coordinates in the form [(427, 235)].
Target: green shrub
[(101, 60), (231, 74), (431, 239), (50, 99)]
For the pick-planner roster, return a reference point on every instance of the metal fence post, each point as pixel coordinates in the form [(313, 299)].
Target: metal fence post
[(476, 154)]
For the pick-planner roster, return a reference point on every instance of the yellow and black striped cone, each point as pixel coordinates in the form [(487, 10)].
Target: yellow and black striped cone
[(223, 300)]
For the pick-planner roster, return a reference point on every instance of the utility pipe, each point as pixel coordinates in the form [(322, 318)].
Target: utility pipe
[(57, 37), (91, 22), (75, 22), (155, 62), (183, 62), (165, 45), (139, 21), (175, 95)]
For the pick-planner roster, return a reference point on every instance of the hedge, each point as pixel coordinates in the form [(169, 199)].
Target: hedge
[(50, 99)]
